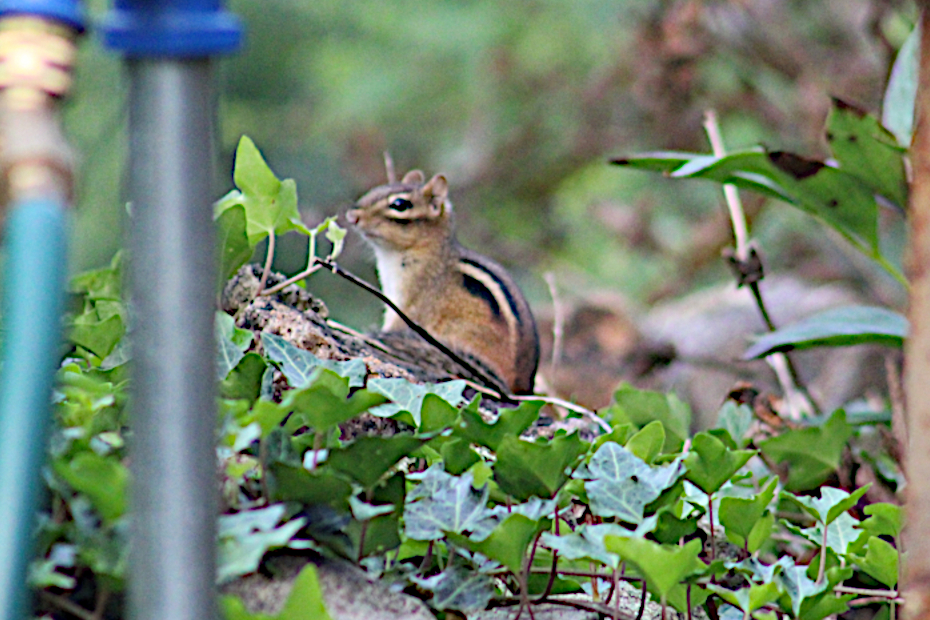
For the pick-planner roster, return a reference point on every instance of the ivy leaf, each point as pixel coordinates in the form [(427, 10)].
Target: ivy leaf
[(304, 601), (812, 453), (884, 520), (798, 586), (270, 204), (446, 504), (510, 423), (842, 535), (366, 459), (244, 538), (232, 241), (736, 420), (748, 599), (739, 515), (507, 542), (458, 587), (587, 542), (244, 381), (336, 235), (406, 396), (524, 468), (299, 365), (844, 326), (323, 402), (321, 486), (622, 484), (641, 407), (436, 414), (648, 442), (103, 480), (869, 151), (710, 463), (663, 566), (99, 328), (831, 504), (231, 343), (881, 561)]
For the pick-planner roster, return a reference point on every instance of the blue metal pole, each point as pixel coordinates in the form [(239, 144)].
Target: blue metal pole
[(35, 174), (33, 295), (173, 411)]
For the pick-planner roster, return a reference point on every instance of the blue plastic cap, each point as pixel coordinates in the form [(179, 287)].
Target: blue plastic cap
[(66, 11), (174, 28)]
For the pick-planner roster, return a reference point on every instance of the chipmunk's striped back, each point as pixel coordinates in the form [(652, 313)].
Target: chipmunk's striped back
[(462, 298)]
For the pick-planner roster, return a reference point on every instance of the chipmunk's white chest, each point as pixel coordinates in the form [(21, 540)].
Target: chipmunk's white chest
[(391, 278)]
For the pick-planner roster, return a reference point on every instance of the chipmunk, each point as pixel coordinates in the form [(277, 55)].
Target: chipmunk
[(465, 300)]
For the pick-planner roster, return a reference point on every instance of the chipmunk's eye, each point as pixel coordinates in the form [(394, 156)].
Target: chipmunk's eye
[(401, 204)]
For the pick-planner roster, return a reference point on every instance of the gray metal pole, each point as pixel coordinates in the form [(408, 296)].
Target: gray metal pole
[(172, 567)]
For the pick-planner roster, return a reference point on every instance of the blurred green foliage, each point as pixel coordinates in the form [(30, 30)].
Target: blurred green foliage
[(521, 104)]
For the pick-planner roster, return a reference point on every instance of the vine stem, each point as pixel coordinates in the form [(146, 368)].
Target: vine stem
[(823, 555), (311, 268), (790, 380), (269, 257)]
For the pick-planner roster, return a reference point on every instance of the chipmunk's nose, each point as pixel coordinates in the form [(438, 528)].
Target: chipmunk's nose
[(352, 216)]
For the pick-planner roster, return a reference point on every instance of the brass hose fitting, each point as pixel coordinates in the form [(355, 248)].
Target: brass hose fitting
[(36, 60)]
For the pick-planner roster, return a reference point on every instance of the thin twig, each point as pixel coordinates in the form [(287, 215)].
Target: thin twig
[(311, 268), (490, 382), (886, 594), (558, 322), (552, 400), (269, 257), (742, 254), (896, 396), (68, 605)]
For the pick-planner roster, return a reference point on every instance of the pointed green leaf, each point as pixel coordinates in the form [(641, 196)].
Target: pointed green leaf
[(884, 520), (836, 197), (710, 463), (231, 343), (622, 484), (322, 486), (304, 601), (298, 365), (232, 241), (641, 407), (406, 396), (458, 587), (524, 469), (663, 566), (750, 598), (510, 423), (244, 537), (881, 561), (869, 151), (837, 327), (898, 105), (322, 404), (366, 459), (739, 515), (270, 205), (442, 503), (648, 442), (812, 453), (103, 479), (507, 543)]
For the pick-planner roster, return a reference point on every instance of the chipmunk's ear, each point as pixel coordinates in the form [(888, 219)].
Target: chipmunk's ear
[(436, 189), (414, 177)]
